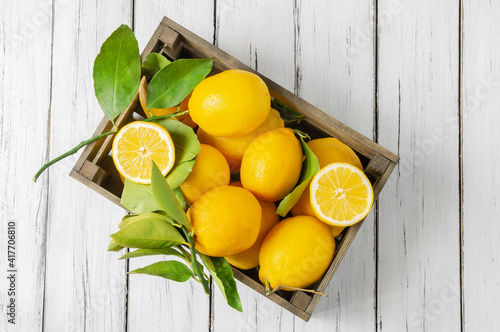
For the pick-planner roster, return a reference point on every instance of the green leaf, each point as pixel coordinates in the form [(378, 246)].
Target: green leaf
[(221, 272), (148, 234), (309, 168), (172, 270), (114, 246), (179, 173), (180, 198), (117, 72), (174, 82), (152, 252), (124, 220), (166, 198), (154, 63), (138, 198), (146, 215), (185, 140), (187, 148)]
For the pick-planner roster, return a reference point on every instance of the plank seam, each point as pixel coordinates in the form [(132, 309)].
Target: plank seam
[(127, 265), (375, 138), (47, 157), (460, 161), (216, 30)]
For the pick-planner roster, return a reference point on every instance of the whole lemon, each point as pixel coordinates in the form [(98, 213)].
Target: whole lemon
[(225, 221), (271, 165), (230, 104), (249, 258), (296, 252), (233, 148), (328, 150), (210, 170)]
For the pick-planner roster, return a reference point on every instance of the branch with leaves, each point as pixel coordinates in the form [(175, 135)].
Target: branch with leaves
[(159, 225)]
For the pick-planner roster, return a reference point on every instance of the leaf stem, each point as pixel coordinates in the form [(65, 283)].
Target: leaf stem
[(194, 262), (302, 134), (171, 115), (71, 152)]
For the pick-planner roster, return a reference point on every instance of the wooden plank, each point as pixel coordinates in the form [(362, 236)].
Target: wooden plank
[(154, 303), (259, 34), (336, 74), (25, 104), (481, 143), (418, 230), (85, 286)]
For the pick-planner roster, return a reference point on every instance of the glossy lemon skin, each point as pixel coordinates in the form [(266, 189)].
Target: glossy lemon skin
[(233, 148), (249, 258), (271, 165), (225, 221), (210, 170), (296, 252), (230, 104)]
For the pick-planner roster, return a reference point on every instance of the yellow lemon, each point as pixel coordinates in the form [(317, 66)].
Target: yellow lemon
[(233, 148), (225, 221), (271, 165), (230, 104), (249, 258), (296, 252), (210, 170)]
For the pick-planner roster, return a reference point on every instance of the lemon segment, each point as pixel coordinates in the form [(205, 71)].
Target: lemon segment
[(136, 145), (341, 194)]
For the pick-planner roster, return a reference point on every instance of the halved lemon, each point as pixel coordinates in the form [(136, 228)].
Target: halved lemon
[(341, 194), (136, 145)]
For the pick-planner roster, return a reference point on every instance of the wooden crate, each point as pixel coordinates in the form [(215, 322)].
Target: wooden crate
[(95, 167)]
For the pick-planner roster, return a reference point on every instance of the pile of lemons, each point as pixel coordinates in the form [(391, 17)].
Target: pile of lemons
[(243, 138)]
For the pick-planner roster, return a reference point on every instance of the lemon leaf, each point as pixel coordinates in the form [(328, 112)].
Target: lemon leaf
[(179, 173), (310, 167), (152, 252), (171, 270), (148, 233), (117, 72), (174, 82), (221, 272), (154, 63), (187, 145), (147, 215), (138, 198), (166, 199), (114, 246)]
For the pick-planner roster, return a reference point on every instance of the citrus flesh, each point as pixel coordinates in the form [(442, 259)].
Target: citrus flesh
[(233, 148), (225, 221), (271, 165), (136, 145), (296, 252), (341, 194), (327, 150), (210, 170), (230, 104)]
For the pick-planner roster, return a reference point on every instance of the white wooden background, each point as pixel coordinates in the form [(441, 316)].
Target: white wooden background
[(421, 77)]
